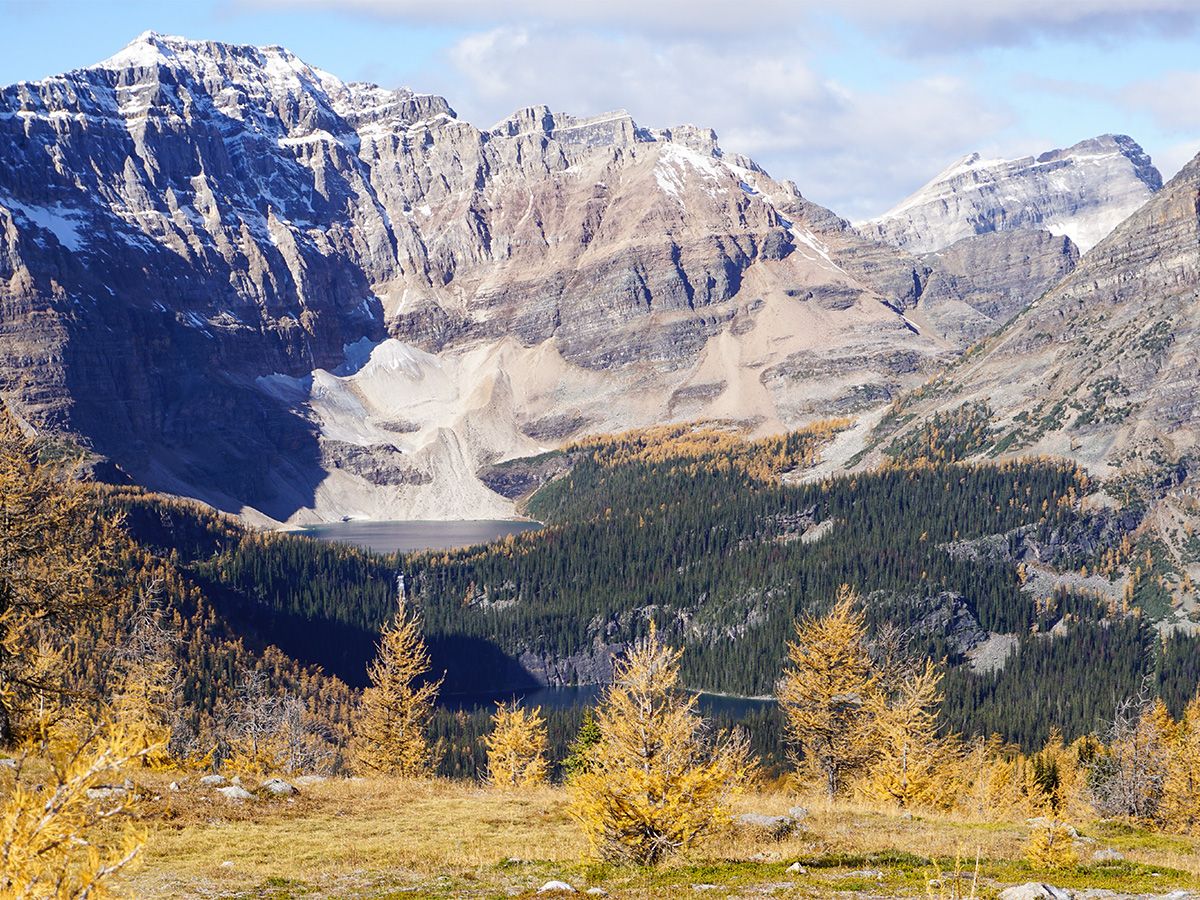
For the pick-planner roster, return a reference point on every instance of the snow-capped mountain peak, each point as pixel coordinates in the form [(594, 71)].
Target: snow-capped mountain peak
[(1083, 192)]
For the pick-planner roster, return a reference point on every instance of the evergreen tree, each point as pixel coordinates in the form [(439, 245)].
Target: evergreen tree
[(579, 753)]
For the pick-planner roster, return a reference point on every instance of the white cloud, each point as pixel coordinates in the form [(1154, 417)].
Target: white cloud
[(1172, 99), (1173, 157), (858, 152), (937, 25), (744, 70), (920, 25)]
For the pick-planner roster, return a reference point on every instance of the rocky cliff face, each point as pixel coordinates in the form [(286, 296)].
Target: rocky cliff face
[(977, 284), (1103, 367), (1082, 192), (236, 277)]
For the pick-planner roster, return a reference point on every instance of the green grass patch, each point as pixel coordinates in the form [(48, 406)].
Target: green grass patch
[(276, 888)]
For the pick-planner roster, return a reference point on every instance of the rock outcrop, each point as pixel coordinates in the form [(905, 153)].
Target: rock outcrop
[(978, 283), (233, 276), (1082, 192)]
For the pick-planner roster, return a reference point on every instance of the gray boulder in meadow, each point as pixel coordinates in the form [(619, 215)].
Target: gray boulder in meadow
[(235, 792), (278, 787), (1034, 890), (777, 827)]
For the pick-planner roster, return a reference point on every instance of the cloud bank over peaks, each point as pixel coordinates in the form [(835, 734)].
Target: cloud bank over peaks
[(922, 26), (762, 99)]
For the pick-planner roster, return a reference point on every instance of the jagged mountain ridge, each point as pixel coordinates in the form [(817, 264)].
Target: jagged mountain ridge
[(974, 286), (1082, 192), (241, 279), (1103, 368), (245, 280)]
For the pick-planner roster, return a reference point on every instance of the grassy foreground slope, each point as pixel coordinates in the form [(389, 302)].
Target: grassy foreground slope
[(381, 838)]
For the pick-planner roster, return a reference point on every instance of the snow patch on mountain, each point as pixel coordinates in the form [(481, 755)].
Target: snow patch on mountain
[(1083, 192), (63, 223)]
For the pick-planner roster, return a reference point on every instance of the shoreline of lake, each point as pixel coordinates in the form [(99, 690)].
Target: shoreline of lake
[(417, 535), (568, 696)]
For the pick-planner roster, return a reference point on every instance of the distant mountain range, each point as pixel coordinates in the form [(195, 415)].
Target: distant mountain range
[(235, 277), (1082, 192)]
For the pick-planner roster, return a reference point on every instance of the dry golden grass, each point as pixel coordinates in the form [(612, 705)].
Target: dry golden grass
[(376, 830), (395, 838)]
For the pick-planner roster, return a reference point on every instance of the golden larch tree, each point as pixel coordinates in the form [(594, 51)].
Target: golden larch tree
[(62, 798), (656, 781), (827, 693), (147, 684), (1051, 845), (390, 729), (913, 764), (1180, 808), (516, 746), (57, 551)]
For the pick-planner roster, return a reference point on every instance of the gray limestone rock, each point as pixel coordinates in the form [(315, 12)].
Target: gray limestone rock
[(235, 792), (1083, 191), (778, 827), (195, 237), (278, 787)]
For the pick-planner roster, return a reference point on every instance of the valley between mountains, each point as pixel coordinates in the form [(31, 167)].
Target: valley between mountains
[(230, 276)]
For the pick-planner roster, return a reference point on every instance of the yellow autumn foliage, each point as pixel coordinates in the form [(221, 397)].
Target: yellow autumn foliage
[(912, 766), (57, 548), (697, 447), (516, 746), (60, 800), (656, 783), (828, 691), (393, 718), (1181, 786), (1051, 846)]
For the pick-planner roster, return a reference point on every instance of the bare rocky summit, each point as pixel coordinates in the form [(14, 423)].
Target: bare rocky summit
[(236, 277), (978, 283), (1082, 192), (1103, 368)]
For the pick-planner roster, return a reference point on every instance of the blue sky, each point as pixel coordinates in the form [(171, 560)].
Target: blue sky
[(858, 107)]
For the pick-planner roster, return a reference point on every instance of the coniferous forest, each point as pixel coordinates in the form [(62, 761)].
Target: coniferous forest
[(975, 639), (723, 544)]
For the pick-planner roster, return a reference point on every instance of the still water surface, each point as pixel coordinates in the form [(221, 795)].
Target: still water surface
[(413, 535), (589, 695)]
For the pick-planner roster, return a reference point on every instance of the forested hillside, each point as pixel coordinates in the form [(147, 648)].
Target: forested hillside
[(714, 540), (986, 638)]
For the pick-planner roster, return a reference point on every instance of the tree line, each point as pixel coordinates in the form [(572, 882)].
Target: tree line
[(137, 631)]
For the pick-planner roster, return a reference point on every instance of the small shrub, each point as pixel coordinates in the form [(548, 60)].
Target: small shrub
[(1052, 846)]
